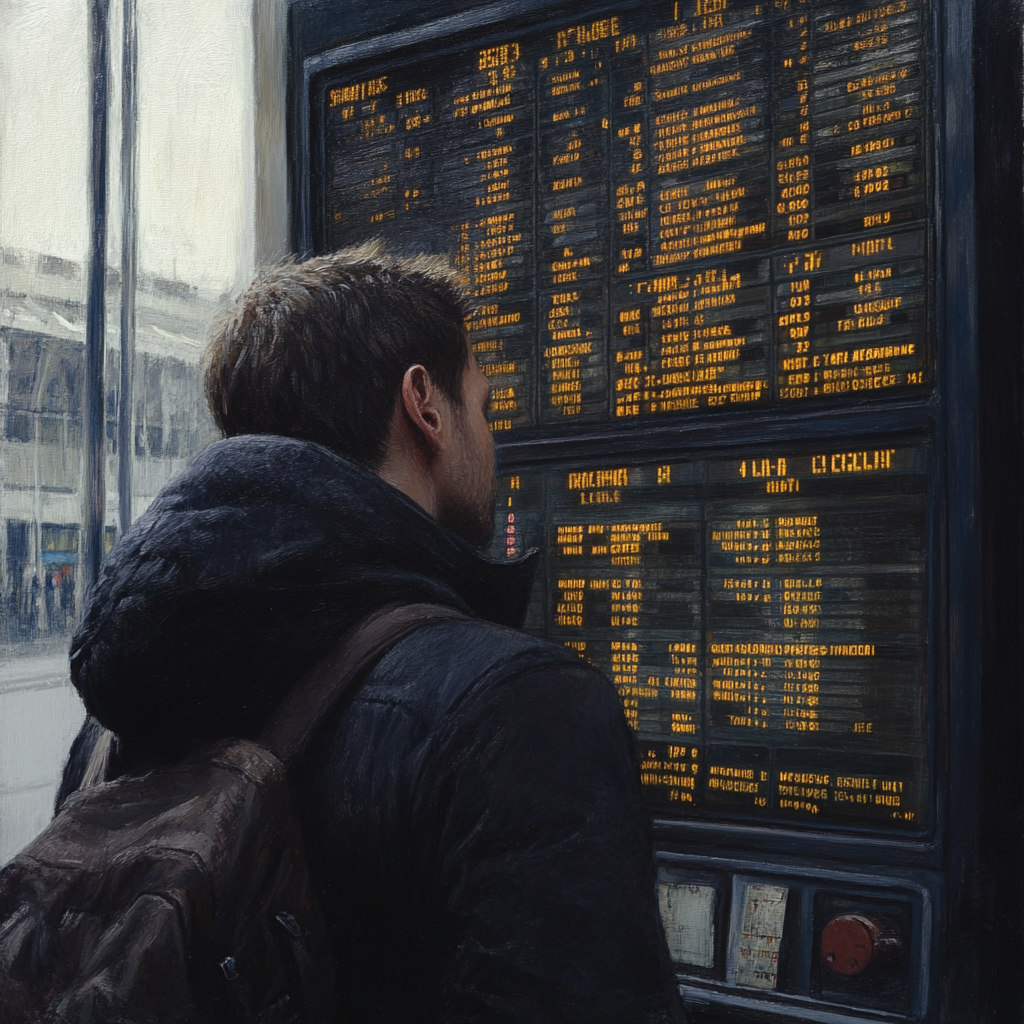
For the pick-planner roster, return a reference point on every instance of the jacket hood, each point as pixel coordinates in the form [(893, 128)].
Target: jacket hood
[(242, 573)]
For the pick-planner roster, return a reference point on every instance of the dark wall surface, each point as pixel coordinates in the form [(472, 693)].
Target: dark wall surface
[(996, 914), (321, 24)]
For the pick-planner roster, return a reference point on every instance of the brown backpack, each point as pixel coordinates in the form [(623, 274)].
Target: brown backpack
[(182, 894)]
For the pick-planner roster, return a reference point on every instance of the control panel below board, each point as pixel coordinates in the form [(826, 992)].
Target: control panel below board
[(795, 939)]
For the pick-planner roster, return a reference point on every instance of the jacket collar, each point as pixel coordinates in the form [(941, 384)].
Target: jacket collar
[(245, 569)]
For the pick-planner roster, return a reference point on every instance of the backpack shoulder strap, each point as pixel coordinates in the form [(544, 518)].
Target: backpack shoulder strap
[(357, 650)]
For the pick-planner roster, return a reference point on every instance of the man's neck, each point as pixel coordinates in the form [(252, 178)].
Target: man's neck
[(405, 467)]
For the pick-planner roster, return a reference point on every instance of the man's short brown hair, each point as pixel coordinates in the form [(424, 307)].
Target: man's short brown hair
[(317, 350)]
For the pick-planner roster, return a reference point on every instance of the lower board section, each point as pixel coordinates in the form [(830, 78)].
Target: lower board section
[(762, 616), (798, 943)]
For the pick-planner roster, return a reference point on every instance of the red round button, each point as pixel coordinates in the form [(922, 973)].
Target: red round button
[(849, 944)]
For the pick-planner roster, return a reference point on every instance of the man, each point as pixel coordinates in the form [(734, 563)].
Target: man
[(474, 815)]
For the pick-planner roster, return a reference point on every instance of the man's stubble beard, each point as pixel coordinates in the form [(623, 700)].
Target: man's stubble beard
[(467, 506), (470, 512)]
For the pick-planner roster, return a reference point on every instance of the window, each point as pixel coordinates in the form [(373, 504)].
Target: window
[(195, 229)]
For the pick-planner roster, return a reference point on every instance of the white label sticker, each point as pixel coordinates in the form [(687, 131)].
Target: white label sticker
[(764, 915), (688, 916)]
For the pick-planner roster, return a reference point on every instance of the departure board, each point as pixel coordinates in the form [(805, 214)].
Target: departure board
[(762, 617), (672, 208)]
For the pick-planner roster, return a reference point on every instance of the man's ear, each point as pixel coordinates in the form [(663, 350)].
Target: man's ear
[(421, 403)]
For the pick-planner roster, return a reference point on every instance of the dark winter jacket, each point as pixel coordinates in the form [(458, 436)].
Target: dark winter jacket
[(474, 815)]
